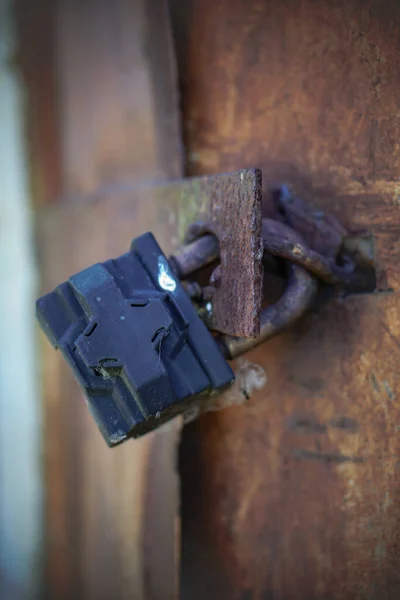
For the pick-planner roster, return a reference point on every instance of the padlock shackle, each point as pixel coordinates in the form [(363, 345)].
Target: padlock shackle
[(296, 299)]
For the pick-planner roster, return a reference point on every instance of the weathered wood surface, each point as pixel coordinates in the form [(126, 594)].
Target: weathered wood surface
[(295, 494), (111, 119)]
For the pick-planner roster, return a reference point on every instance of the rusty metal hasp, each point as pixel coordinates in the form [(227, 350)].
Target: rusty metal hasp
[(229, 207)]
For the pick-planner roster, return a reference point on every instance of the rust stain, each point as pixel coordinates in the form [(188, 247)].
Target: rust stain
[(307, 424), (344, 423), (327, 457)]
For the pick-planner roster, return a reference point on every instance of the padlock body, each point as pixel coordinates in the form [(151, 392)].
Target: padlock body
[(133, 340)]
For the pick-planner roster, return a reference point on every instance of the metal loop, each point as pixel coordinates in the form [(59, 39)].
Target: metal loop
[(294, 302), (280, 242)]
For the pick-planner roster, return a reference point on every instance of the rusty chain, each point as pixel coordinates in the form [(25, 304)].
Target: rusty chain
[(303, 245)]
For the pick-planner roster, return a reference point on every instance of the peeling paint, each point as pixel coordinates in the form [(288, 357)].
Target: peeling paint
[(250, 377)]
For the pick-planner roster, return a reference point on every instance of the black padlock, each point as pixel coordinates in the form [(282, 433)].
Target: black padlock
[(134, 341)]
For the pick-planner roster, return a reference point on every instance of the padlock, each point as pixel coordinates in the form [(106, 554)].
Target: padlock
[(134, 341)]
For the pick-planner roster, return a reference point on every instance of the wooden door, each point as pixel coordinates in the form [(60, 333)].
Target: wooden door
[(295, 494)]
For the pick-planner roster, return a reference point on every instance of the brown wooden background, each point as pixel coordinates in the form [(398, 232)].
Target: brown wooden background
[(295, 494)]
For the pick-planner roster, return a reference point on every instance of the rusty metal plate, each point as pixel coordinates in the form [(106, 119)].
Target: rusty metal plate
[(230, 206), (230, 202)]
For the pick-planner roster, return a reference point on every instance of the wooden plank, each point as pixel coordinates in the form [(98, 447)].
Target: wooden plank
[(111, 526), (295, 493)]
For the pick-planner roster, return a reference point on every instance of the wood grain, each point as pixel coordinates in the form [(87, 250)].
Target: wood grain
[(111, 517), (294, 495)]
